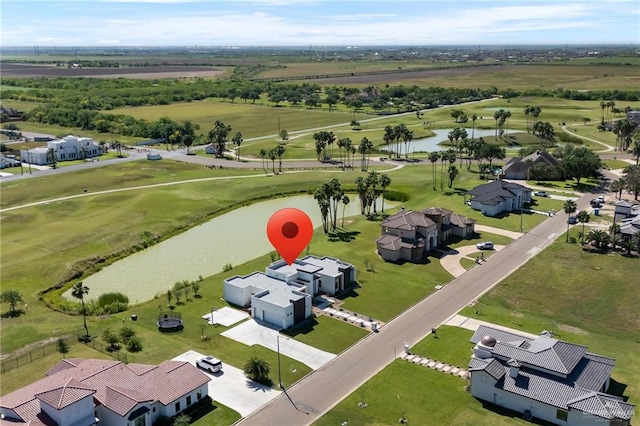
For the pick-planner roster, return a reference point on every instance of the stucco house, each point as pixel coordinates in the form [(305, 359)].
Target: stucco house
[(409, 235), (499, 196), (545, 378), (283, 294), (627, 216), (65, 149), (83, 392), (518, 167)]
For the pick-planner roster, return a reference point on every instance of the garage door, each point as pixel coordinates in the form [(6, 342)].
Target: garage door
[(273, 318)]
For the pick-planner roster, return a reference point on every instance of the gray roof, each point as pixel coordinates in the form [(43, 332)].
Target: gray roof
[(495, 192), (389, 242), (461, 221), (603, 406), (541, 359), (407, 220)]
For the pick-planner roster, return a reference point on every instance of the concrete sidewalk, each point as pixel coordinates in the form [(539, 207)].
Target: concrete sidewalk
[(253, 333), (473, 324)]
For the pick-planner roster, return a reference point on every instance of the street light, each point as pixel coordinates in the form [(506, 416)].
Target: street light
[(279, 375)]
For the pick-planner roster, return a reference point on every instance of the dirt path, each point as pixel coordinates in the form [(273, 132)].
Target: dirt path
[(608, 148)]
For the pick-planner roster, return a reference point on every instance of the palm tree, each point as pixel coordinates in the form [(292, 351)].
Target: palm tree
[(434, 157), (364, 148), (78, 291), (279, 150), (617, 186), (583, 217), (614, 233), (603, 105), (598, 237), (385, 181), (453, 172), (263, 154), (569, 207), (112, 339), (257, 369), (51, 157), (272, 156), (628, 245), (361, 189), (12, 297), (473, 122), (345, 202), (237, 141), (636, 148)]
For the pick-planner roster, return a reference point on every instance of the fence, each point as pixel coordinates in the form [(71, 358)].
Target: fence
[(12, 363)]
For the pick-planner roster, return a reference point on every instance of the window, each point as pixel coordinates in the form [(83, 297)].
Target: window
[(562, 415), (177, 406), (199, 396), (140, 421), (188, 400)]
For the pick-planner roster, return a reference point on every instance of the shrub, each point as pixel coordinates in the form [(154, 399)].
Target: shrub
[(396, 196), (134, 344), (110, 303), (227, 267), (126, 334)]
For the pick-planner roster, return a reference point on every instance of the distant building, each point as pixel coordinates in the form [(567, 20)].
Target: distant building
[(499, 196), (283, 294), (409, 235), (545, 378), (633, 116), (65, 149), (627, 216), (518, 167), (87, 392)]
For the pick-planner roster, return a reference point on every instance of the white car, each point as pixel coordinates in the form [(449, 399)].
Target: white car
[(485, 245), (541, 193), (209, 363)]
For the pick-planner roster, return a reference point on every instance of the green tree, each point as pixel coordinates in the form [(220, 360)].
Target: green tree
[(62, 346), (257, 369), (182, 420), (345, 203), (453, 172), (272, 154), (13, 298), (539, 171), (599, 238), (385, 181), (126, 334), (51, 158), (218, 136), (364, 149), (583, 218), (284, 135), (78, 291), (237, 141), (580, 163), (569, 208), (434, 157), (111, 339), (263, 155), (279, 150)]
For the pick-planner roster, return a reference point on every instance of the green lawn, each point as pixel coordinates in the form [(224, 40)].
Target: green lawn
[(327, 334), (451, 347), (424, 396)]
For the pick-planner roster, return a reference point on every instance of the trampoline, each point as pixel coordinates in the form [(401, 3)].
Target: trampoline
[(169, 323)]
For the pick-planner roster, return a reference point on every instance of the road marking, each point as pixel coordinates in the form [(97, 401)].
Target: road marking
[(534, 251)]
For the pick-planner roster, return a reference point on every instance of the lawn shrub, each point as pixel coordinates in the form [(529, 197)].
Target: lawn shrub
[(134, 345), (398, 196)]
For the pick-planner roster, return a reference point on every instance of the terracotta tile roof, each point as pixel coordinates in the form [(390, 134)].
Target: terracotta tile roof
[(114, 384), (63, 396)]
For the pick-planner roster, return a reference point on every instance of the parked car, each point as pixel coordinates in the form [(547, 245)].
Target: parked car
[(601, 199), (209, 363), (541, 193), (573, 218), (595, 203), (485, 245)]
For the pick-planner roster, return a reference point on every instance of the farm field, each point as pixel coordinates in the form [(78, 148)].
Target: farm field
[(151, 72)]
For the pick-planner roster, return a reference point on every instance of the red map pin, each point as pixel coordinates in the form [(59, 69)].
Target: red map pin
[(289, 231)]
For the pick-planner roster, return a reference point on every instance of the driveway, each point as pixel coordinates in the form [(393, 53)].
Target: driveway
[(231, 388), (253, 333), (451, 261)]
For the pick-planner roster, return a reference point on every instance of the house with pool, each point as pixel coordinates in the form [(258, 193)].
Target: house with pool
[(545, 378), (283, 294)]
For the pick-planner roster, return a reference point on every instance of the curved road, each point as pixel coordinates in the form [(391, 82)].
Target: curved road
[(318, 392)]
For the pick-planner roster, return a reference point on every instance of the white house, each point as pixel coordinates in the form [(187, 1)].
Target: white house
[(499, 196), (65, 149), (545, 378), (83, 392), (283, 294)]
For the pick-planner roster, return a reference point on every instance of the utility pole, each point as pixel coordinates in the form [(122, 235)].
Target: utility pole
[(278, 345)]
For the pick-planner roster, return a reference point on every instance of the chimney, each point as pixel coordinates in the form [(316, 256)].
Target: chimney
[(514, 368)]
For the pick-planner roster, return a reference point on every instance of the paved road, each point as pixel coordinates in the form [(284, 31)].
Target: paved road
[(323, 389)]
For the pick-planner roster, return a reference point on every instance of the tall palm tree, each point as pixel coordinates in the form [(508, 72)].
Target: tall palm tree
[(263, 154), (434, 157), (474, 117), (345, 203), (78, 291), (385, 181), (617, 186), (569, 207), (583, 217), (279, 150)]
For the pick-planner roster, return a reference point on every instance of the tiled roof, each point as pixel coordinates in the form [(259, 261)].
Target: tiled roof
[(461, 221), (116, 385), (499, 335), (407, 220), (493, 193), (389, 242), (491, 366), (604, 406), (437, 211), (63, 396)]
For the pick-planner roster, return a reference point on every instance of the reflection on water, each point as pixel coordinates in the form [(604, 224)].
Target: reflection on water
[(430, 144), (235, 237)]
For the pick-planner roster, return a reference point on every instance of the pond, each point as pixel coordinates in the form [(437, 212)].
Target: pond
[(235, 237), (430, 144)]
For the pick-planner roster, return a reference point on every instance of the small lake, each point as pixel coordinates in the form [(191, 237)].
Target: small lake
[(235, 237), (430, 144)]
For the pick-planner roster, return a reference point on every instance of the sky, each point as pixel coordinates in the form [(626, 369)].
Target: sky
[(317, 22)]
